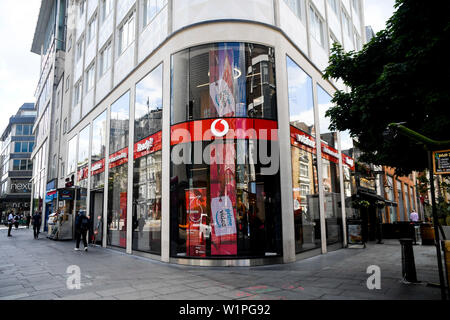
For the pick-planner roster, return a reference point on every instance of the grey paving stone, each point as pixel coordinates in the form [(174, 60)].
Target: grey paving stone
[(15, 297), (116, 291)]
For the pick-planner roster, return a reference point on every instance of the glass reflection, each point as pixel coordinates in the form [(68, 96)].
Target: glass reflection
[(147, 164), (82, 168), (223, 80), (330, 173), (98, 151), (303, 158), (225, 208), (118, 172)]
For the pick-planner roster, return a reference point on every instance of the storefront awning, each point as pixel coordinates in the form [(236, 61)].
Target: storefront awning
[(370, 196)]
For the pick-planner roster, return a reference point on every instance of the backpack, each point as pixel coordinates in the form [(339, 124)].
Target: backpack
[(84, 223)]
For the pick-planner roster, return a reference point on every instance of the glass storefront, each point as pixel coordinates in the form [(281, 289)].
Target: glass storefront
[(305, 187), (147, 164), (224, 200), (98, 152), (330, 173), (82, 169), (118, 172)]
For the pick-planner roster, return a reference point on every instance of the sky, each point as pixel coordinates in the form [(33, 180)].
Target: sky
[(19, 68)]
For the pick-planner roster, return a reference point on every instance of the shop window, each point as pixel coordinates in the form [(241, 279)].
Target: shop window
[(118, 172), (224, 204), (147, 164), (98, 151), (223, 80)]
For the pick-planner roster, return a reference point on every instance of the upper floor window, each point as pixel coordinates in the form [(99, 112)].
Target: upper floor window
[(151, 9), (92, 29), (90, 77), (126, 33), (355, 5), (346, 24), (81, 8), (334, 6), (316, 26), (77, 93), (105, 9), (79, 52), (24, 130), (105, 59), (296, 6), (23, 147), (23, 165)]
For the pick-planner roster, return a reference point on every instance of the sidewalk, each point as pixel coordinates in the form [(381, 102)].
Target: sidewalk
[(36, 269)]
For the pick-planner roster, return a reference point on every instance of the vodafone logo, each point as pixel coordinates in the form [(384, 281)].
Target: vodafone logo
[(220, 127)]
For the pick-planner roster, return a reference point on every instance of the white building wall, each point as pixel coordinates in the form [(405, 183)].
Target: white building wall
[(194, 11), (294, 28), (106, 29), (91, 7), (153, 34), (123, 7)]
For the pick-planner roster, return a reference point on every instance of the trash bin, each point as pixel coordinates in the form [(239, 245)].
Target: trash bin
[(427, 233), (408, 264)]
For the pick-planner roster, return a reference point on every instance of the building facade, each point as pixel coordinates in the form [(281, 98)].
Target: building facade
[(48, 42), (17, 143), (194, 131)]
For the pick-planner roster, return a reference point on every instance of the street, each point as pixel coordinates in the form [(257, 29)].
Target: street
[(37, 269)]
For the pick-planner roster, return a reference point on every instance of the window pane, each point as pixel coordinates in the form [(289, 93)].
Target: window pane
[(17, 147), (19, 130), (223, 80), (119, 124), (148, 108)]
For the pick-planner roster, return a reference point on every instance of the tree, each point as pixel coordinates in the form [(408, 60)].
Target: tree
[(401, 75)]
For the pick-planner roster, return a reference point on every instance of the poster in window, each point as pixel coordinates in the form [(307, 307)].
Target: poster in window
[(123, 220), (223, 199), (197, 222), (221, 82)]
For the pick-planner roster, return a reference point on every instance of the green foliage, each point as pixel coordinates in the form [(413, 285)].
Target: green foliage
[(401, 75)]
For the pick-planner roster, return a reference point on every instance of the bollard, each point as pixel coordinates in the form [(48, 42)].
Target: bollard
[(408, 264)]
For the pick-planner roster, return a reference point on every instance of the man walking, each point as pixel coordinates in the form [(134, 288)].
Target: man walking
[(37, 219), (10, 223), (81, 227), (28, 220)]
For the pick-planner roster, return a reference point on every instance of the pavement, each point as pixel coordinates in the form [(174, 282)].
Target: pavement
[(38, 270)]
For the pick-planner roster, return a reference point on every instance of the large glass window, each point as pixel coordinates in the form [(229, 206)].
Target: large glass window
[(98, 152), (82, 168), (224, 204), (391, 196), (147, 164), (118, 172), (305, 190), (227, 208), (330, 173), (223, 80), (72, 156)]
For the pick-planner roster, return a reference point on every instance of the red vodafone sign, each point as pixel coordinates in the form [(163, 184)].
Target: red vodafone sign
[(220, 128)]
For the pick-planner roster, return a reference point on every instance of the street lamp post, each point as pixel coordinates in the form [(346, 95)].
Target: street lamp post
[(430, 145)]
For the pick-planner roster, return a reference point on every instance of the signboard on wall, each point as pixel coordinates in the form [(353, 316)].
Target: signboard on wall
[(441, 162)]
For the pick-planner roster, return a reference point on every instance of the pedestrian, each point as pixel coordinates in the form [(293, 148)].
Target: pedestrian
[(37, 220), (28, 220), (81, 227), (16, 221), (10, 223), (413, 216)]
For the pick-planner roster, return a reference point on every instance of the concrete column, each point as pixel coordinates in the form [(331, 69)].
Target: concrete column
[(287, 205), (341, 182), (165, 187), (130, 171), (105, 197)]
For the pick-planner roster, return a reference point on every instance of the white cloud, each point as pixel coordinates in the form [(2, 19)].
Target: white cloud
[(19, 68), (377, 12)]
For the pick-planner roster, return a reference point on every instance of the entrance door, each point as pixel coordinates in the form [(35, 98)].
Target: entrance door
[(96, 209)]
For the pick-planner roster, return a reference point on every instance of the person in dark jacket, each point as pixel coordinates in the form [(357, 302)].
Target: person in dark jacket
[(10, 223), (82, 222), (37, 220), (28, 221)]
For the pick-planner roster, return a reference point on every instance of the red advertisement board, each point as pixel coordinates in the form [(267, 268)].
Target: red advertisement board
[(98, 167), (197, 221), (118, 158), (123, 219), (148, 145)]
